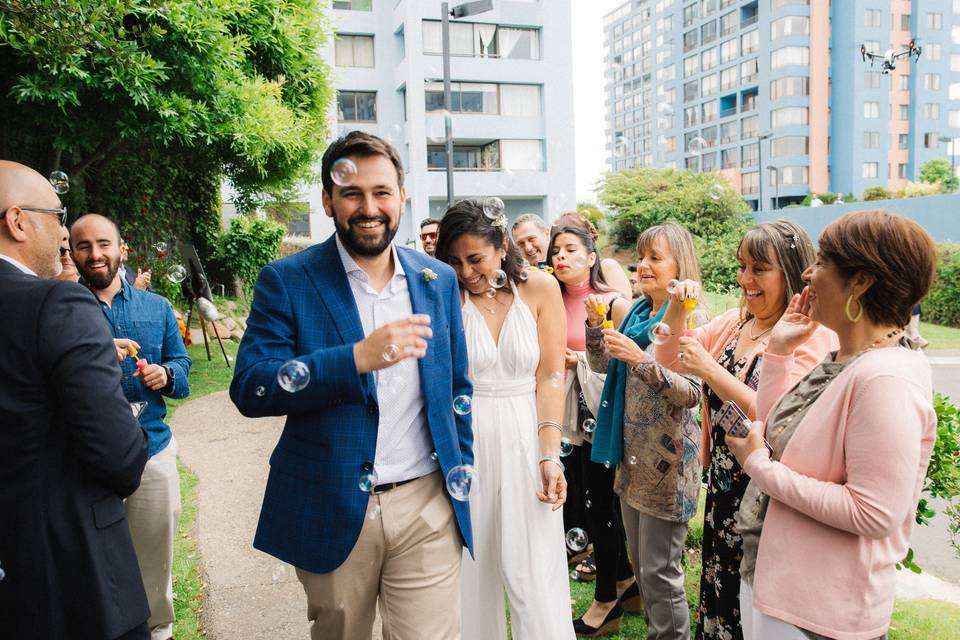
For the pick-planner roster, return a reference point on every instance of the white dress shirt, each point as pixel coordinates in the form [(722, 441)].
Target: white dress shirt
[(404, 444), (18, 265)]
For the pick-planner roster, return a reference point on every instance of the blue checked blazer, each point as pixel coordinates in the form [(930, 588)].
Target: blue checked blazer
[(303, 308)]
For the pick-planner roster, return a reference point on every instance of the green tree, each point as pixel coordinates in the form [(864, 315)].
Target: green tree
[(592, 213), (939, 171), (232, 88)]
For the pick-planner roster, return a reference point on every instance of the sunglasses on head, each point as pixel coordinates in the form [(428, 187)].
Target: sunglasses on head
[(61, 213)]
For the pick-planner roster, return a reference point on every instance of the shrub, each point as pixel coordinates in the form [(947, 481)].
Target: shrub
[(876, 193), (249, 245), (718, 260), (942, 304), (921, 189)]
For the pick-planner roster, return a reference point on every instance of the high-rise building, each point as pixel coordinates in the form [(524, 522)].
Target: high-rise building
[(511, 104), (776, 95)]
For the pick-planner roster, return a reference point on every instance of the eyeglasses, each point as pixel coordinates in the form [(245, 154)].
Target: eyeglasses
[(428, 236), (61, 213)]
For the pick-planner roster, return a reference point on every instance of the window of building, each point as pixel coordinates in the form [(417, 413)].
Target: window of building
[(789, 146), (691, 40), (749, 127), (955, 90), (902, 170), (709, 59), (903, 82), (931, 111), (871, 139), (931, 81), (353, 5), (353, 51), (670, 144), (356, 106), (788, 117), (871, 109), (956, 7), (691, 91), (691, 66), (955, 34), (728, 23), (485, 157), (711, 110), (954, 118), (905, 22), (790, 26), (708, 162), (728, 78), (690, 14), (749, 100), (522, 155), (935, 21), (933, 51), (870, 169), (903, 141), (789, 176), (790, 87), (709, 85), (776, 4), (749, 182), (707, 7), (728, 132), (483, 40), (904, 112), (692, 163), (871, 46), (730, 158), (931, 139), (728, 50), (469, 97), (750, 42), (708, 32), (691, 116), (871, 79), (790, 57), (871, 18), (749, 71)]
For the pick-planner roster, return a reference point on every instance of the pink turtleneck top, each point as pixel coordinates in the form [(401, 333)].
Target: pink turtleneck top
[(573, 297)]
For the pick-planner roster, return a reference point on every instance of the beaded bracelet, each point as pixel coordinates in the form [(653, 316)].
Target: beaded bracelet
[(554, 460)]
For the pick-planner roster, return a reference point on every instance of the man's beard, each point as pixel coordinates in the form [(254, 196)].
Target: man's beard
[(99, 280), (364, 245)]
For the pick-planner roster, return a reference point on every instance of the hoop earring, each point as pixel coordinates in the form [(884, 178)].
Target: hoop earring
[(850, 316)]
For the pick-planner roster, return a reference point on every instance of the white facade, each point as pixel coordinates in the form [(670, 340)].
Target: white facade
[(512, 122)]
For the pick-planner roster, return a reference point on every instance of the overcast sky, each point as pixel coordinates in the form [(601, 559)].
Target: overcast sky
[(588, 91)]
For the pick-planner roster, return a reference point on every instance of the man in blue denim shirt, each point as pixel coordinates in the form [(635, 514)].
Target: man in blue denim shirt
[(142, 323)]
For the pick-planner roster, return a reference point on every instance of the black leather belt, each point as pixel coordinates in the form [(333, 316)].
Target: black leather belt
[(383, 488)]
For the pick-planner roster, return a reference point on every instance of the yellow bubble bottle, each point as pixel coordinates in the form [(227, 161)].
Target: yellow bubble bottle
[(601, 310), (690, 305)]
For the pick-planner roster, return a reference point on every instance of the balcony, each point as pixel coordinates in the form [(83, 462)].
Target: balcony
[(751, 20)]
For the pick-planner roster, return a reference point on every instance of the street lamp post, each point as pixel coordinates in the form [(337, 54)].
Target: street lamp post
[(760, 140), (459, 11), (776, 185), (953, 158)]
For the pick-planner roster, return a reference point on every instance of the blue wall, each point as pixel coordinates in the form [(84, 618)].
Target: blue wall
[(939, 215)]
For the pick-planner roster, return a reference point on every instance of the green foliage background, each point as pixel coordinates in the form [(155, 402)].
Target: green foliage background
[(942, 304), (249, 244), (939, 171)]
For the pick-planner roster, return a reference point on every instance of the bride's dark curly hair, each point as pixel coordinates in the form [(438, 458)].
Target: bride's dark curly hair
[(467, 217)]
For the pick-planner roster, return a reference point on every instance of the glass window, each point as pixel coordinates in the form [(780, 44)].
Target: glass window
[(954, 118), (903, 82), (790, 26), (728, 23), (750, 155), (955, 90), (522, 155), (708, 32), (730, 158), (790, 57), (353, 5), (871, 109), (935, 21), (931, 81), (466, 157), (484, 40), (871, 18), (905, 22), (789, 176), (931, 139), (749, 101), (728, 50), (520, 99), (708, 59), (904, 112), (707, 7), (709, 85), (353, 51), (955, 34), (518, 44), (691, 116), (711, 110), (902, 170), (870, 169), (749, 182), (356, 106), (708, 162), (871, 139), (903, 141), (788, 117), (933, 51), (749, 71), (690, 91), (776, 4), (871, 46), (789, 146), (690, 14), (728, 78), (728, 132), (931, 111), (750, 42), (465, 97), (749, 127), (791, 87), (871, 79), (691, 66), (691, 40)]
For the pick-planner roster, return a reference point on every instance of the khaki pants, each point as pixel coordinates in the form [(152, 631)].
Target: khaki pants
[(153, 512), (408, 553)]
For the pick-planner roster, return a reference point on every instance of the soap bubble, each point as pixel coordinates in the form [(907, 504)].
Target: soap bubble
[(566, 447), (665, 109), (490, 293), (343, 171), (498, 279), (293, 376), (573, 574), (261, 391), (60, 182), (716, 192), (659, 333), (557, 379), (699, 317), (576, 539), (177, 273), (672, 286), (437, 127), (279, 572), (368, 480), (492, 207), (460, 481), (374, 512), (604, 404), (462, 405), (161, 247), (587, 504), (434, 456), (696, 146), (589, 425), (632, 460), (391, 353)]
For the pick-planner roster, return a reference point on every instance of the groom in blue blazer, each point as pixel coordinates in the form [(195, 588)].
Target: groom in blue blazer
[(356, 498)]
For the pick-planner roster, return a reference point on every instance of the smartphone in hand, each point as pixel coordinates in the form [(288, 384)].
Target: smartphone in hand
[(733, 420)]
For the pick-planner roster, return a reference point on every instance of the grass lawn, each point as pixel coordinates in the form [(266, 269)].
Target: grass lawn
[(205, 377)]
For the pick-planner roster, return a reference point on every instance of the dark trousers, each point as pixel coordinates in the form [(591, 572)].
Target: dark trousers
[(605, 527), (141, 632), (574, 513)]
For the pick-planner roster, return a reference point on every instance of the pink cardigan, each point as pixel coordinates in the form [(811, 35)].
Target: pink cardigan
[(716, 334), (844, 495)]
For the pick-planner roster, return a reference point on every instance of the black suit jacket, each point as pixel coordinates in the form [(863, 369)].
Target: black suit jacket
[(70, 451)]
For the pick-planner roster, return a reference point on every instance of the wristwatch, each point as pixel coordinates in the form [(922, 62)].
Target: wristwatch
[(170, 380)]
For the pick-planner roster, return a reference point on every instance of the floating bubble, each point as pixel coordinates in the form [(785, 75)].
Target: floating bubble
[(699, 317), (696, 146), (460, 481), (177, 273), (343, 171), (437, 126), (659, 333), (604, 404), (716, 192), (161, 247), (672, 286), (368, 480), (462, 405), (434, 456), (293, 376), (573, 574), (60, 182), (589, 425), (566, 447), (498, 279), (587, 504), (490, 293), (609, 523), (606, 463), (279, 572), (493, 207), (632, 460), (261, 391), (374, 512), (391, 353), (557, 379), (576, 539), (665, 109)]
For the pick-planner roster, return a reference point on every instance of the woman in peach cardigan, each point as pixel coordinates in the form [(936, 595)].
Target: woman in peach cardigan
[(829, 513), (725, 354)]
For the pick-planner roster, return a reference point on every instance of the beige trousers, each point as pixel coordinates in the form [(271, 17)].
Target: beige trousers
[(153, 512), (408, 554)]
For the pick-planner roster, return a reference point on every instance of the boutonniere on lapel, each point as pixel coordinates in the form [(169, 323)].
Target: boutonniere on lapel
[(429, 275)]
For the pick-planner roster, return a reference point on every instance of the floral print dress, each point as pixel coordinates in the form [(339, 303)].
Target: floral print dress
[(719, 610)]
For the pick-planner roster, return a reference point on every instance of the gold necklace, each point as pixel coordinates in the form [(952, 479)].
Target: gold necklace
[(490, 310), (876, 343), (762, 333)]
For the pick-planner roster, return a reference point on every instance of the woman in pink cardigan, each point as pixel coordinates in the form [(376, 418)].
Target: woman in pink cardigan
[(725, 354), (829, 513)]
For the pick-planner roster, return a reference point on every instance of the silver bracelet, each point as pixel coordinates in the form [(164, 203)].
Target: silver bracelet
[(554, 460), (549, 423)]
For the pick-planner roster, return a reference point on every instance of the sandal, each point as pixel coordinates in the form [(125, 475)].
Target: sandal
[(587, 570), (574, 558), (631, 601)]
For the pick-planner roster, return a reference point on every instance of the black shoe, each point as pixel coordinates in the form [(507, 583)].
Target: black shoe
[(631, 600), (610, 624)]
